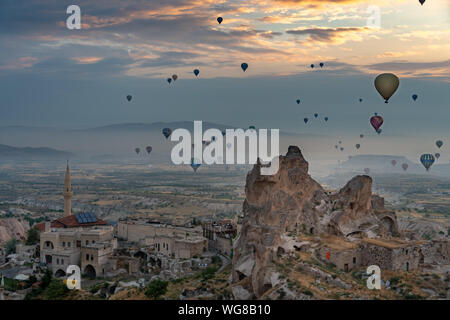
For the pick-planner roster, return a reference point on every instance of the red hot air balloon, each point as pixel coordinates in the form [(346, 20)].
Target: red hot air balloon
[(149, 149), (376, 122), (404, 166), (393, 162)]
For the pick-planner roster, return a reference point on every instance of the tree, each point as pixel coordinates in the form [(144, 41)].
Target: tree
[(46, 278), (11, 246), (156, 288), (32, 236)]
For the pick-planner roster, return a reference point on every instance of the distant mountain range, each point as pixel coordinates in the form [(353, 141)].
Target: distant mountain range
[(28, 153)]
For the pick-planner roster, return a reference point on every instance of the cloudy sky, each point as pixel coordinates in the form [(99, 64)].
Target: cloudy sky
[(53, 76)]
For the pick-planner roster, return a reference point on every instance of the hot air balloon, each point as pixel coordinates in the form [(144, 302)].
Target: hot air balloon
[(321, 64), (376, 122), (174, 77), (367, 170), (195, 164), (149, 149), (360, 99), (228, 145), (316, 115), (196, 72), (219, 20), (393, 162), (326, 119), (224, 133), (167, 132), (439, 143), (312, 66), (305, 120), (169, 80), (427, 160), (339, 142), (414, 97), (437, 155), (342, 148), (361, 136), (137, 150), (404, 166), (298, 101), (386, 85), (336, 146), (129, 97), (244, 66), (357, 146), (422, 2)]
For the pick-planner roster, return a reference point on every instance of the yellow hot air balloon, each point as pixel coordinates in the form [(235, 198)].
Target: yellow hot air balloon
[(386, 85)]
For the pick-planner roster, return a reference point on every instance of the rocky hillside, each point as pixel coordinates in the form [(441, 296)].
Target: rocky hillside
[(13, 228), (292, 203)]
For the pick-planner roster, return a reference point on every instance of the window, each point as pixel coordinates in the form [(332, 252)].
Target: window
[(64, 244), (68, 244), (57, 261), (78, 243), (62, 261), (87, 257), (87, 242), (354, 260), (93, 241), (92, 257)]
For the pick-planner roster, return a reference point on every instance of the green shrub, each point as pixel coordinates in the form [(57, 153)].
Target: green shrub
[(156, 288)]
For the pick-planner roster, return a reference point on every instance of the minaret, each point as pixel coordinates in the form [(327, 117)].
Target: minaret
[(67, 193)]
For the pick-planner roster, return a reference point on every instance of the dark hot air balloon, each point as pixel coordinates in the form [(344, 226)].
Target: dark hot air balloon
[(316, 115), (149, 149), (169, 80), (376, 122), (137, 150), (393, 162), (437, 155), (219, 20), (326, 119), (414, 97), (224, 132), (129, 97), (427, 160), (404, 166), (298, 101), (244, 66), (195, 164), (305, 120), (339, 142), (422, 2), (386, 85), (321, 64), (360, 99), (312, 66), (167, 132), (196, 72), (357, 146), (174, 77), (336, 146), (342, 148), (361, 136), (439, 143)]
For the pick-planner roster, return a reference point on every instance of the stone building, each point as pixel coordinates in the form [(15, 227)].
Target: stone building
[(220, 236), (175, 241), (76, 239)]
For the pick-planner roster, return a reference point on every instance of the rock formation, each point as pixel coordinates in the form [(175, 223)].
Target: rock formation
[(292, 202), (13, 228)]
